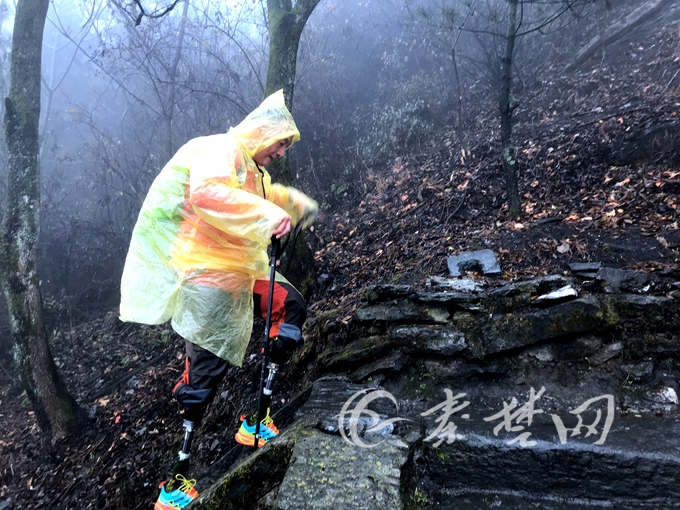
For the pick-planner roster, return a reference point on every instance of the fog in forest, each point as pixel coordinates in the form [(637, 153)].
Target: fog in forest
[(376, 80)]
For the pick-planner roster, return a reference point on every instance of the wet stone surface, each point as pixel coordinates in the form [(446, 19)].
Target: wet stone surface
[(326, 472)]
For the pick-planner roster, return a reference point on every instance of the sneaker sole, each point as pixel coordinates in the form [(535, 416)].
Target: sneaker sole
[(248, 440)]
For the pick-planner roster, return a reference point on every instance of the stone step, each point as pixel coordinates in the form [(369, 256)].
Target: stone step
[(637, 467), (397, 453)]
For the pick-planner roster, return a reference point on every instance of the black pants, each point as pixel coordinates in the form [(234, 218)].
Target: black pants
[(203, 371)]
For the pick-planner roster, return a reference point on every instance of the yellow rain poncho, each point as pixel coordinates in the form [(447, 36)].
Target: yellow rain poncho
[(201, 237)]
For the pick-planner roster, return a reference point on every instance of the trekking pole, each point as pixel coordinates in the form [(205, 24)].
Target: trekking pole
[(267, 326)]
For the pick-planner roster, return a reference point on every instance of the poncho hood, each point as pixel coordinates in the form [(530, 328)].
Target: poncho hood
[(266, 125)]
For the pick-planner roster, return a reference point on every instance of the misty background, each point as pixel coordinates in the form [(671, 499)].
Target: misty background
[(377, 80)]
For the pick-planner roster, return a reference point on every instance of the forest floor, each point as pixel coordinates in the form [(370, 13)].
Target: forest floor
[(599, 159)]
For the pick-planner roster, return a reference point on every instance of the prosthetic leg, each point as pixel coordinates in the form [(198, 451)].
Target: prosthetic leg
[(265, 394), (182, 465)]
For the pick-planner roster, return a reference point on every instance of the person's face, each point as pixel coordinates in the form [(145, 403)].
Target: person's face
[(273, 152)]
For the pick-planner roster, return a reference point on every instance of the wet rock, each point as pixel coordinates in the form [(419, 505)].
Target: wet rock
[(252, 479), (548, 284), (510, 331), (326, 472), (481, 261), (322, 324), (456, 284), (606, 353), (643, 313), (383, 292), (636, 466), (543, 353), (621, 280), (639, 372), (585, 269), (577, 350), (391, 364), (361, 351), (328, 397), (590, 344), (661, 343), (669, 395), (443, 341), (452, 369), (510, 297), (402, 311), (460, 298), (324, 280), (557, 296)]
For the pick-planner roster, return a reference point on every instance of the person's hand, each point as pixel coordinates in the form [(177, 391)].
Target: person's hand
[(283, 228)]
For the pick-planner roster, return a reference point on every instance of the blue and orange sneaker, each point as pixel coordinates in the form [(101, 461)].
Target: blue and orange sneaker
[(176, 497), (246, 433)]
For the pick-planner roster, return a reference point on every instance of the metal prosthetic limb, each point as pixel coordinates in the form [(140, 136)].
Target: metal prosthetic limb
[(263, 397), (181, 467), (189, 427), (273, 368), (266, 399)]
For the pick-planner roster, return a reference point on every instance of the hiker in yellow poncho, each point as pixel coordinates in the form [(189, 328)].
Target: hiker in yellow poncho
[(198, 257)]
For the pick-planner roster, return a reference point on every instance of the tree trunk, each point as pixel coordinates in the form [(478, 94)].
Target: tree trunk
[(285, 28), (506, 110), (169, 108), (56, 411)]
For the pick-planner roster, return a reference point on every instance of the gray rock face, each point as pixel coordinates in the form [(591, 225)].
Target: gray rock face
[(621, 471), (640, 372), (585, 267), (388, 365), (509, 331), (327, 472), (621, 280), (559, 295), (451, 369), (430, 340), (402, 311), (606, 353), (482, 261), (359, 352), (456, 284), (382, 292), (328, 397)]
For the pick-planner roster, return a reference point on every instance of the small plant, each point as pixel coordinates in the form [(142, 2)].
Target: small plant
[(419, 498), (165, 336)]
